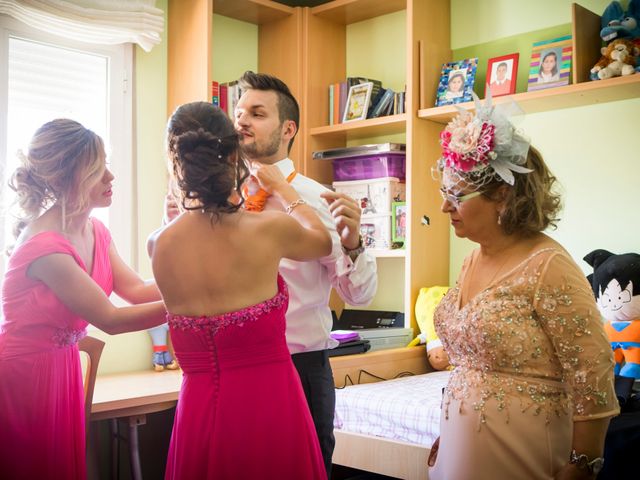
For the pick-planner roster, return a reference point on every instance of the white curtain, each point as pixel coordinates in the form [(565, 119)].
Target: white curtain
[(107, 22)]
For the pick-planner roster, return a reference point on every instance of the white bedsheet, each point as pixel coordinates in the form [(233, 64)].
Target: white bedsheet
[(406, 409)]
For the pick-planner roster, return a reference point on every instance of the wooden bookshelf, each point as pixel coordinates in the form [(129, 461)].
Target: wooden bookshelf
[(371, 127), (306, 47), (352, 11), (259, 12), (568, 96)]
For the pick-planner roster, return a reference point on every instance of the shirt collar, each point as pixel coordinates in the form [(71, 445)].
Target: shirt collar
[(285, 165)]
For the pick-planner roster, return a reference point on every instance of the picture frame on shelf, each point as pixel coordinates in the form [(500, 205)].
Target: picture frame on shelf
[(398, 222), (358, 101), (456, 82), (550, 63), (502, 75)]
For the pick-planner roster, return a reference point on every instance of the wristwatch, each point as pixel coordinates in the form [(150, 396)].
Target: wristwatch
[(583, 462), (353, 254)]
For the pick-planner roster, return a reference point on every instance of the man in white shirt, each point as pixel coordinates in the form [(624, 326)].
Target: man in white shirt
[(267, 117)]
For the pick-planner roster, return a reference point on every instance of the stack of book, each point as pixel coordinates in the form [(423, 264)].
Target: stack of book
[(382, 101), (225, 95)]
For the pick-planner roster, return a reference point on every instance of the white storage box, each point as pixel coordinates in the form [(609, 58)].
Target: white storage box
[(376, 231), (373, 195)]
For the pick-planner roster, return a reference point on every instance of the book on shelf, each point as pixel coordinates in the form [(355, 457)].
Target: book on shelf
[(336, 104), (229, 94), (331, 93), (215, 93), (383, 105), (223, 97), (344, 91), (339, 92)]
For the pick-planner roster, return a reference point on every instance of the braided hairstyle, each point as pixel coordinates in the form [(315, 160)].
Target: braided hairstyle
[(63, 162), (203, 149)]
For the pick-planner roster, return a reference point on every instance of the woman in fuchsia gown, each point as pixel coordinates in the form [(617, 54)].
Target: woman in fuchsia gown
[(242, 411), (59, 275)]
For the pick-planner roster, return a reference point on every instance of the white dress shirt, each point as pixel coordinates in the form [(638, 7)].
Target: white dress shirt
[(309, 318)]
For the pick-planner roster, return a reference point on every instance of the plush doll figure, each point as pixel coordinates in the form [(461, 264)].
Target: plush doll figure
[(618, 59), (616, 285), (426, 304), (161, 356), (617, 24)]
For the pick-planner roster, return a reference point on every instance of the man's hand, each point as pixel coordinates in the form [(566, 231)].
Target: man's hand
[(346, 213)]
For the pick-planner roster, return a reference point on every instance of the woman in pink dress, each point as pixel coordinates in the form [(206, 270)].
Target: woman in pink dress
[(59, 276), (242, 411)]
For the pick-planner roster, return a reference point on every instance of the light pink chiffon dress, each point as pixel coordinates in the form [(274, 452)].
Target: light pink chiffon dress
[(531, 358), (41, 395)]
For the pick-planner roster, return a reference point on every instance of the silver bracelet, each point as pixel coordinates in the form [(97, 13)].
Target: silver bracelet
[(293, 205)]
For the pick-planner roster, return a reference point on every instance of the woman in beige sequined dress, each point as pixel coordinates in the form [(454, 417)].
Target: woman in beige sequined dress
[(532, 393)]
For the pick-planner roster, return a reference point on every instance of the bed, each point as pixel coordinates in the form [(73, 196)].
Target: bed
[(387, 428)]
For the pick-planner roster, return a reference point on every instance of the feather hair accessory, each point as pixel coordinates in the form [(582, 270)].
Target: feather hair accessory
[(485, 146)]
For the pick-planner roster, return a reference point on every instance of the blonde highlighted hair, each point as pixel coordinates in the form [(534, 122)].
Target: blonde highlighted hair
[(63, 162)]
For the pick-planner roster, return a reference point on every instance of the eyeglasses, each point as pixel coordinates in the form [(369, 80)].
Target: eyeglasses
[(456, 200)]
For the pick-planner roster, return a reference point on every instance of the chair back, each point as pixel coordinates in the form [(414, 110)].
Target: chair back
[(93, 349)]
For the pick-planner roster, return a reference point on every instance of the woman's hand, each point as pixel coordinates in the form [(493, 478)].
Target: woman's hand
[(433, 454), (271, 178)]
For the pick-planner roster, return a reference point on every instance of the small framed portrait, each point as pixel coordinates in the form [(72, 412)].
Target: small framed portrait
[(398, 221), (456, 82), (550, 63), (358, 102), (501, 75)]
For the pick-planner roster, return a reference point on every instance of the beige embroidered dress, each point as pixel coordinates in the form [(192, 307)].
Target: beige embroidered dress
[(530, 357)]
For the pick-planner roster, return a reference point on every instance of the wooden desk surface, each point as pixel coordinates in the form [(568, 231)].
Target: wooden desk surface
[(135, 393), (139, 393)]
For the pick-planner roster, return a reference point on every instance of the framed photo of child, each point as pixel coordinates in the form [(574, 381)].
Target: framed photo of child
[(398, 221), (358, 102), (456, 82), (501, 75), (550, 63)]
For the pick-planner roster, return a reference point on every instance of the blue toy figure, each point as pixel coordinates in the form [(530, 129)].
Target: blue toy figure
[(161, 356), (617, 24)]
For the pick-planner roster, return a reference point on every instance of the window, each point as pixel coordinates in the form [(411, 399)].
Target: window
[(43, 77)]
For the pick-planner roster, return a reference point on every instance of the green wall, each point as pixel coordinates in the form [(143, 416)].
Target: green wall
[(236, 48), (598, 173)]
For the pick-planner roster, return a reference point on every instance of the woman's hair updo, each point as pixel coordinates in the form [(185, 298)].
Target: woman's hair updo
[(63, 162), (203, 150)]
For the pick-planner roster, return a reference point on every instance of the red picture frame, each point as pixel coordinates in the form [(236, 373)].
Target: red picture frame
[(502, 73)]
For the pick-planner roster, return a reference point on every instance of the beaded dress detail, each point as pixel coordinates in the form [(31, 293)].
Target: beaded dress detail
[(237, 374), (530, 358), (41, 395)]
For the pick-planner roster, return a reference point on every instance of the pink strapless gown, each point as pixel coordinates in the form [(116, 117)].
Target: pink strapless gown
[(241, 412), (41, 396)]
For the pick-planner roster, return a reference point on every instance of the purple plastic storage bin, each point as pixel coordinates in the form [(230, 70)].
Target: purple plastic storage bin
[(370, 166)]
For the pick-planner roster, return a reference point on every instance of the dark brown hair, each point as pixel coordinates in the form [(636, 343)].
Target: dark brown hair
[(203, 148), (288, 108), (531, 204)]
